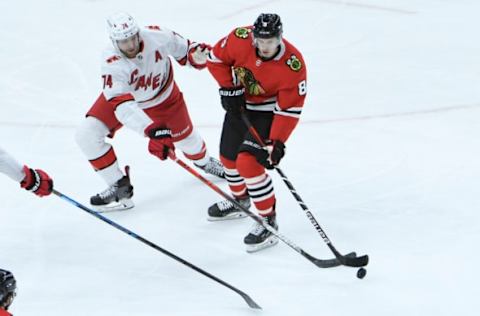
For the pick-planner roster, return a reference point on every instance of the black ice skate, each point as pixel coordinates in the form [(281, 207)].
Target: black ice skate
[(213, 167), (259, 237), (117, 197), (225, 210)]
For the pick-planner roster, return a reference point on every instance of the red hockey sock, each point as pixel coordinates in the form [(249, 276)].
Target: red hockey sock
[(258, 183), (235, 181)]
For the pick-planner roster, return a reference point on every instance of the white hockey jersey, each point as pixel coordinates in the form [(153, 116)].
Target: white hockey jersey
[(10, 166), (145, 80)]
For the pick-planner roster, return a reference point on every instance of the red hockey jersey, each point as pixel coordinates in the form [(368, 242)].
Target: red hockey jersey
[(277, 85), (4, 312)]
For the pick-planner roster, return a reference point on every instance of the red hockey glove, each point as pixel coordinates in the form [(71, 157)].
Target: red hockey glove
[(272, 154), (198, 54), (233, 99), (37, 181), (161, 141)]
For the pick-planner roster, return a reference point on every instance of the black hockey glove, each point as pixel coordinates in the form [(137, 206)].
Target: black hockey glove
[(272, 154), (233, 99)]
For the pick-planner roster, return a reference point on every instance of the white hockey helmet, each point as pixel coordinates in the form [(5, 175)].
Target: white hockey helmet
[(121, 26)]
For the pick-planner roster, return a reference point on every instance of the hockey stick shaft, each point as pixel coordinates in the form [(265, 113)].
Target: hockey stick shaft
[(247, 298), (345, 260), (328, 263), (352, 262)]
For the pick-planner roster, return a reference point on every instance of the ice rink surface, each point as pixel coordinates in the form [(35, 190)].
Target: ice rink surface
[(386, 156)]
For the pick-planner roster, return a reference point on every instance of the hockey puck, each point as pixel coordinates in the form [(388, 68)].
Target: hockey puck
[(361, 273)]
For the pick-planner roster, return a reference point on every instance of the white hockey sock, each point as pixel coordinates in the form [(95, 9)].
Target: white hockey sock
[(111, 174), (194, 148)]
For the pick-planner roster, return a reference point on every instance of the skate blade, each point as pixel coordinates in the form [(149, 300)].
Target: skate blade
[(230, 216), (269, 242), (121, 205), (217, 176)]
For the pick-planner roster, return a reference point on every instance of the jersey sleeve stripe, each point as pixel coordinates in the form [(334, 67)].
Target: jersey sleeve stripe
[(292, 111), (297, 116), (182, 61), (214, 59)]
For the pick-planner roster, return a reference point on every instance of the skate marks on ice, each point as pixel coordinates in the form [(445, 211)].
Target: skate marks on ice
[(368, 6), (253, 8), (473, 106), (354, 4)]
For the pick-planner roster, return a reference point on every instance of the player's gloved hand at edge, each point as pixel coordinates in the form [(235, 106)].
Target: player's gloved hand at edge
[(233, 99), (198, 54), (161, 141), (272, 153), (37, 181)]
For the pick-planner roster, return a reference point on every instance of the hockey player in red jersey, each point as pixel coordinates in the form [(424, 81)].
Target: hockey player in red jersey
[(34, 180), (8, 287), (139, 92), (263, 75)]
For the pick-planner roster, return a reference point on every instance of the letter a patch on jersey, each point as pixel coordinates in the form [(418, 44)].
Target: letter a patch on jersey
[(158, 56)]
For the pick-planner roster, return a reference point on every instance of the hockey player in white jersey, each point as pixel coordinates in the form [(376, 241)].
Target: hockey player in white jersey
[(34, 180), (139, 92)]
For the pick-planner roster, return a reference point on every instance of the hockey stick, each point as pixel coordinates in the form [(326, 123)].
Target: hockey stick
[(344, 260), (321, 263), (247, 298)]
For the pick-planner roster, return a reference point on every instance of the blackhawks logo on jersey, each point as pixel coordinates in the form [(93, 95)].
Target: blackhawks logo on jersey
[(248, 80), (294, 63), (242, 32)]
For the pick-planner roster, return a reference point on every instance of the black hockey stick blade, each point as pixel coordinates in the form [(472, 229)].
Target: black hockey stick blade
[(328, 263), (250, 301), (356, 262), (349, 261)]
